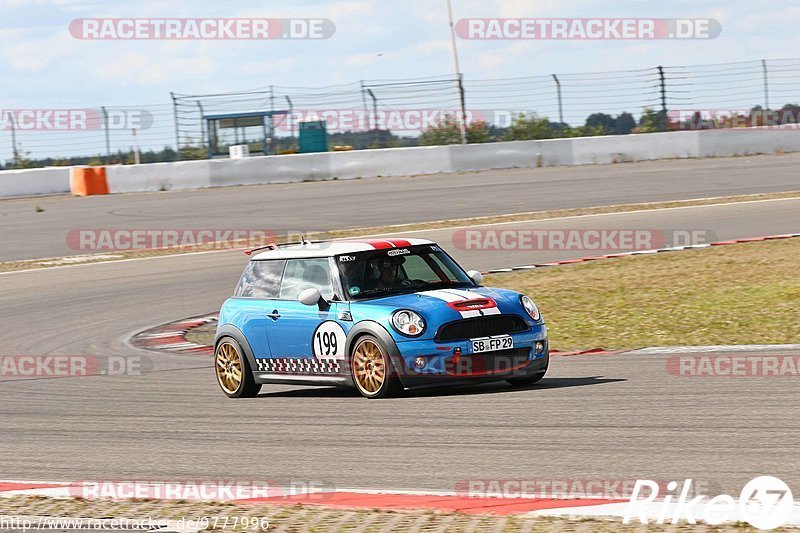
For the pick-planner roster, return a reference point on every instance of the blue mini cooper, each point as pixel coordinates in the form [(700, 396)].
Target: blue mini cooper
[(377, 315)]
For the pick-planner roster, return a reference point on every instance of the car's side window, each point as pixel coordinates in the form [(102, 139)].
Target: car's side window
[(303, 274), (261, 279)]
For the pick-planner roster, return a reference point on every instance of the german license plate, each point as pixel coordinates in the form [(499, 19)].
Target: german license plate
[(492, 344)]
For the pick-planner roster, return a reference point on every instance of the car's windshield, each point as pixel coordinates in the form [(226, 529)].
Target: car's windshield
[(415, 268)]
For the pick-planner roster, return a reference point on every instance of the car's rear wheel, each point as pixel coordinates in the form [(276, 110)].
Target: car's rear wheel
[(233, 372), (527, 380), (372, 369)]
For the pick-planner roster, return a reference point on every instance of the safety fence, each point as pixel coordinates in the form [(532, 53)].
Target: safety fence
[(391, 113)]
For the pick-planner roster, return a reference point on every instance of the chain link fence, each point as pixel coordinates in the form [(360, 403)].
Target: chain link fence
[(387, 113)]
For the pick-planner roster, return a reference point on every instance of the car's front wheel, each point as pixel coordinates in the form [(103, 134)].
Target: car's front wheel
[(233, 371), (372, 369)]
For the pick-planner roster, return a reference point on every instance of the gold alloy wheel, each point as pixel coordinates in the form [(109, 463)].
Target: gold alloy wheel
[(369, 367), (228, 364)]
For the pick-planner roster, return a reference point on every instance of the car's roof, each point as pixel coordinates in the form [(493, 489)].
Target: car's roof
[(331, 248)]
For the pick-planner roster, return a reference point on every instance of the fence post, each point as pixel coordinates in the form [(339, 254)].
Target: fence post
[(177, 132), (374, 108), (663, 83), (203, 139), (463, 108), (271, 140), (14, 149), (291, 121), (366, 108), (766, 82), (105, 127), (560, 106)]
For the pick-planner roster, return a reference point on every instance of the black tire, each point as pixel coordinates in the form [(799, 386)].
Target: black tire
[(366, 378), (230, 355), (527, 380)]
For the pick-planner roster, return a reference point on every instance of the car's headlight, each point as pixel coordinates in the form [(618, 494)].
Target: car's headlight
[(408, 323), (530, 307)]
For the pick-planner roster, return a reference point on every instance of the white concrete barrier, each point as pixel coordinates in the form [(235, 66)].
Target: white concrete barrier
[(414, 160), (159, 176), (29, 182), (513, 154), (749, 141), (270, 169), (390, 162), (624, 148)]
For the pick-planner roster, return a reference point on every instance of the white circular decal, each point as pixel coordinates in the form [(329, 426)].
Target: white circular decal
[(328, 341)]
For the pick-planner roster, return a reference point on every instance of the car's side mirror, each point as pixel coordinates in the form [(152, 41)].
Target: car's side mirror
[(312, 296), (475, 276)]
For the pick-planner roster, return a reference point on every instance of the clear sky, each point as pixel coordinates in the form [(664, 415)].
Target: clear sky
[(43, 65)]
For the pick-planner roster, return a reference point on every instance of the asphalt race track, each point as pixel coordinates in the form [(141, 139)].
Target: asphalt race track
[(28, 234), (601, 417)]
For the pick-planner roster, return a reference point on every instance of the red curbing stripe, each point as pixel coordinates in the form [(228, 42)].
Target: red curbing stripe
[(570, 261), (593, 351), (200, 350), (463, 504), (172, 339), (11, 486), (177, 331)]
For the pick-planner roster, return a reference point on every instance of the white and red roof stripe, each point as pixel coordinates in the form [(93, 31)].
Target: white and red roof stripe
[(338, 247)]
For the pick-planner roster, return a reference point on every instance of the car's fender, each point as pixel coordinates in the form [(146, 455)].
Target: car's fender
[(228, 330), (378, 331)]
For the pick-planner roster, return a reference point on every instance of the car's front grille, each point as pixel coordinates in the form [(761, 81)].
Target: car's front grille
[(480, 364), (481, 326)]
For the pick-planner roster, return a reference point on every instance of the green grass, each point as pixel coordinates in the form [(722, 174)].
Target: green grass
[(738, 294)]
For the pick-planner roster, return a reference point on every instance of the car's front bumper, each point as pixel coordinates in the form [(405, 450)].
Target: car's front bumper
[(443, 363)]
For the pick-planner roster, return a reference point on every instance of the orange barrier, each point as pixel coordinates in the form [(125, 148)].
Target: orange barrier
[(86, 181)]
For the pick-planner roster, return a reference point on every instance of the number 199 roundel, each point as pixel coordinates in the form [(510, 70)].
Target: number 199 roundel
[(379, 316)]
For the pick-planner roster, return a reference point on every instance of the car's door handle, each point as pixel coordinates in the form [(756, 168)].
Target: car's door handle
[(274, 315)]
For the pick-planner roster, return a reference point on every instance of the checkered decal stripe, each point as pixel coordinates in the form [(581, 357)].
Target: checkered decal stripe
[(298, 366)]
